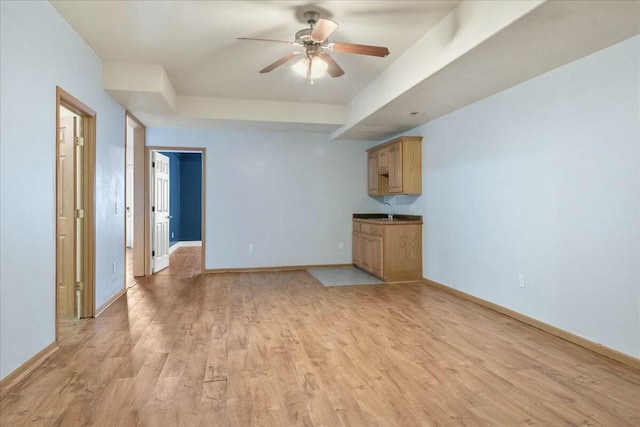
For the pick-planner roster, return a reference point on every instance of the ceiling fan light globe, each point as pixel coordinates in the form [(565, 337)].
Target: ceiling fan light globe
[(318, 67)]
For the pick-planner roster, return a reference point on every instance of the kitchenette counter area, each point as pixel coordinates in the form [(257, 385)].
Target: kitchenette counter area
[(381, 217), (388, 246)]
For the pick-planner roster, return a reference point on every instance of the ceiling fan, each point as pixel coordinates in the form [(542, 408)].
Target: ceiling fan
[(316, 47)]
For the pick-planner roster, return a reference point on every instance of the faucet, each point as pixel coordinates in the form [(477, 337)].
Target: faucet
[(389, 214)]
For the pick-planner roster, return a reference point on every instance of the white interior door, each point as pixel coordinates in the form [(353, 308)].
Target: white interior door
[(160, 211)]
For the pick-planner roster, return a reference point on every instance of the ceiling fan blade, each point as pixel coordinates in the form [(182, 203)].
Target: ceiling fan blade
[(323, 29), (266, 40), (360, 49), (279, 62), (333, 69)]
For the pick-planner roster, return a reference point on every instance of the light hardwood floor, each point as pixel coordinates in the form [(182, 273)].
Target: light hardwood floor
[(279, 349), (130, 280)]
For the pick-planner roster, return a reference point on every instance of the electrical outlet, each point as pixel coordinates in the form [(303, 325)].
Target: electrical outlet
[(116, 208), (341, 245), (521, 280), (113, 266), (250, 247), (413, 207)]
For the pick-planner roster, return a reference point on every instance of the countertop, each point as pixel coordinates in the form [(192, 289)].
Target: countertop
[(381, 218)]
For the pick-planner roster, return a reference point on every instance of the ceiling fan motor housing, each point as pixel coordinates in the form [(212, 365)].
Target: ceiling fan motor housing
[(304, 36)]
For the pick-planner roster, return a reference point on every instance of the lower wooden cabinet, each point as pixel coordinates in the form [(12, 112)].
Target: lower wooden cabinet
[(389, 250), (356, 248), (365, 258), (375, 256), (367, 253)]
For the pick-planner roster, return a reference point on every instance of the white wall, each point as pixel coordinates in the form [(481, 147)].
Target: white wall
[(38, 51), (291, 195), (544, 180)]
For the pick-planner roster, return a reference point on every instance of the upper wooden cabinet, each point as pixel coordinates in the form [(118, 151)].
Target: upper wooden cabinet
[(383, 160), (373, 173), (395, 167)]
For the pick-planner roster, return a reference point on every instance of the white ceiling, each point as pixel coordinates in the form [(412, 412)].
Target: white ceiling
[(179, 63)]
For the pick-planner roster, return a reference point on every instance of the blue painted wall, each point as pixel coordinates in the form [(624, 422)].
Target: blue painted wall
[(191, 196), (185, 196)]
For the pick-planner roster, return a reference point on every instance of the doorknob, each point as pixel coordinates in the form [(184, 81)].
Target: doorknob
[(169, 216)]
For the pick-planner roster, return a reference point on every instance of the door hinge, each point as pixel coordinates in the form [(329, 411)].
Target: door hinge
[(79, 213), (153, 164), (79, 141), (79, 286), (153, 208), (153, 253)]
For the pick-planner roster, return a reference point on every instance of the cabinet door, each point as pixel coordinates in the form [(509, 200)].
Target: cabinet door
[(383, 160), (356, 249), (365, 252), (373, 173), (395, 168), (376, 256)]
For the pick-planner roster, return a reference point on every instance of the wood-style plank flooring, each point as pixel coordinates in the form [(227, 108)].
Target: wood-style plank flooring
[(128, 273), (279, 349)]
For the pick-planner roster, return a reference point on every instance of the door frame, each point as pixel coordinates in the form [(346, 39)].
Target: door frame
[(88, 116), (148, 195), (139, 225)]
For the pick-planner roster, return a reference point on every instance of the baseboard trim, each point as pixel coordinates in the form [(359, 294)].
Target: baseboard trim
[(278, 268), (560, 333), (113, 299), (184, 244), (26, 368)]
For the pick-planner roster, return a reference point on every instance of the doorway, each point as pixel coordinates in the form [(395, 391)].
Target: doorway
[(134, 200), (75, 177), (175, 203)]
